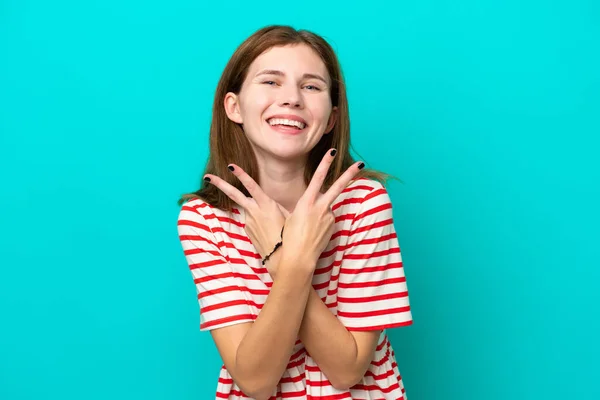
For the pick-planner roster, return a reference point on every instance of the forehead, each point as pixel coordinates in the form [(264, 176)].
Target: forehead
[(291, 60)]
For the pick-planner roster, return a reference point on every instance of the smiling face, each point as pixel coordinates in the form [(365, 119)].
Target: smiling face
[(284, 105)]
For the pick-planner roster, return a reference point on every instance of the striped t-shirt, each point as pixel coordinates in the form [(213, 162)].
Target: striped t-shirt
[(359, 276)]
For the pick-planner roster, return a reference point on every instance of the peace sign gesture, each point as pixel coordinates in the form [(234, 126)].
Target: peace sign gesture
[(310, 226), (264, 216)]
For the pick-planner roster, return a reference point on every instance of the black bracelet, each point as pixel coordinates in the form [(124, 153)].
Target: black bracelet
[(276, 247)]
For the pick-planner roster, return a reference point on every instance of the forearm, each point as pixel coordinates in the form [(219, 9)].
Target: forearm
[(329, 343), (327, 340), (264, 352)]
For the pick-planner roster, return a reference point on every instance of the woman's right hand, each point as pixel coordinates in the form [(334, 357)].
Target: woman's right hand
[(309, 227)]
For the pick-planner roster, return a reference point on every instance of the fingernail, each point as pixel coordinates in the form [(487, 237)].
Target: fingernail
[(361, 165), (230, 167), (332, 152), (207, 179)]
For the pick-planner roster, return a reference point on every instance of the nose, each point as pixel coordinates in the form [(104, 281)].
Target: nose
[(290, 97)]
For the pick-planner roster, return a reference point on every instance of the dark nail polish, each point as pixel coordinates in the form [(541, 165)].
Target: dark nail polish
[(207, 179), (230, 167), (361, 165), (332, 152)]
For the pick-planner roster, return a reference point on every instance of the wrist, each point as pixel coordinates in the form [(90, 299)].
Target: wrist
[(272, 264), (291, 257), (268, 256)]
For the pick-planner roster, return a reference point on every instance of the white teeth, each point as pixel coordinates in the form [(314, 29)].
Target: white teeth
[(288, 122)]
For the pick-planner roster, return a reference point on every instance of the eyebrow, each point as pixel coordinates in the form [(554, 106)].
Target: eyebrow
[(280, 73)]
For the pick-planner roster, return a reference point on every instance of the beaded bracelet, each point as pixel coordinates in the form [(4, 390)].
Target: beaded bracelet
[(276, 247)]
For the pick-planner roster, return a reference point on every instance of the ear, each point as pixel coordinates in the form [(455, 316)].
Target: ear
[(332, 120), (232, 107)]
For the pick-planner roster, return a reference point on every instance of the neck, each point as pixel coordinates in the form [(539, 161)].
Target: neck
[(282, 181)]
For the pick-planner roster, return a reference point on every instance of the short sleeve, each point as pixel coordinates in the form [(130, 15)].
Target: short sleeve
[(221, 299), (372, 289)]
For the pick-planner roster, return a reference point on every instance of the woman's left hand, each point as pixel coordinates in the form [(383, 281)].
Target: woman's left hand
[(264, 216)]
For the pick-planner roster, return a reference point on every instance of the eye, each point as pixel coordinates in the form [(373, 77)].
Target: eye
[(313, 88), (271, 83)]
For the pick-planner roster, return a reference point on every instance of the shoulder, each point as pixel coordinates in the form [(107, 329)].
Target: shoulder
[(193, 209), (201, 214), (364, 190), (190, 219), (361, 197), (204, 209), (197, 211)]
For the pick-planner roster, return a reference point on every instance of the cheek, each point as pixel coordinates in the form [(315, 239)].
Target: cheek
[(257, 106), (322, 110)]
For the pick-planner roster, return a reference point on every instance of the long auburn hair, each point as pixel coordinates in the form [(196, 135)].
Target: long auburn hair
[(227, 141)]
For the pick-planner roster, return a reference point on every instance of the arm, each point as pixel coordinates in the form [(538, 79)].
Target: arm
[(372, 295), (256, 354), (254, 349), (343, 356)]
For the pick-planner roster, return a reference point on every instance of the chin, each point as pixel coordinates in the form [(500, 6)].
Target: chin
[(286, 151)]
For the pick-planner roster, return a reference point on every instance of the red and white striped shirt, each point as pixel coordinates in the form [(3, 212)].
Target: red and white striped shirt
[(359, 276)]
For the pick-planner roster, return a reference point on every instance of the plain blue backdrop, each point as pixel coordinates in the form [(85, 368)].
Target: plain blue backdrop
[(488, 111)]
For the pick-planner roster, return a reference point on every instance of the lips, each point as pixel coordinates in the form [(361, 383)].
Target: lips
[(289, 117), (286, 129)]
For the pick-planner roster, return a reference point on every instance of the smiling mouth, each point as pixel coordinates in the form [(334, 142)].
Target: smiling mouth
[(286, 123)]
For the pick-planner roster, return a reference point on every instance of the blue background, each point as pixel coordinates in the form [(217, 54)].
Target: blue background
[(488, 111)]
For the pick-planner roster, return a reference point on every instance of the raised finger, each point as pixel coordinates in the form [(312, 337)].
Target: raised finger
[(316, 183), (342, 182), (230, 191), (255, 191)]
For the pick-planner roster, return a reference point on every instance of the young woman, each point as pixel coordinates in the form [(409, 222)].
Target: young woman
[(291, 243)]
